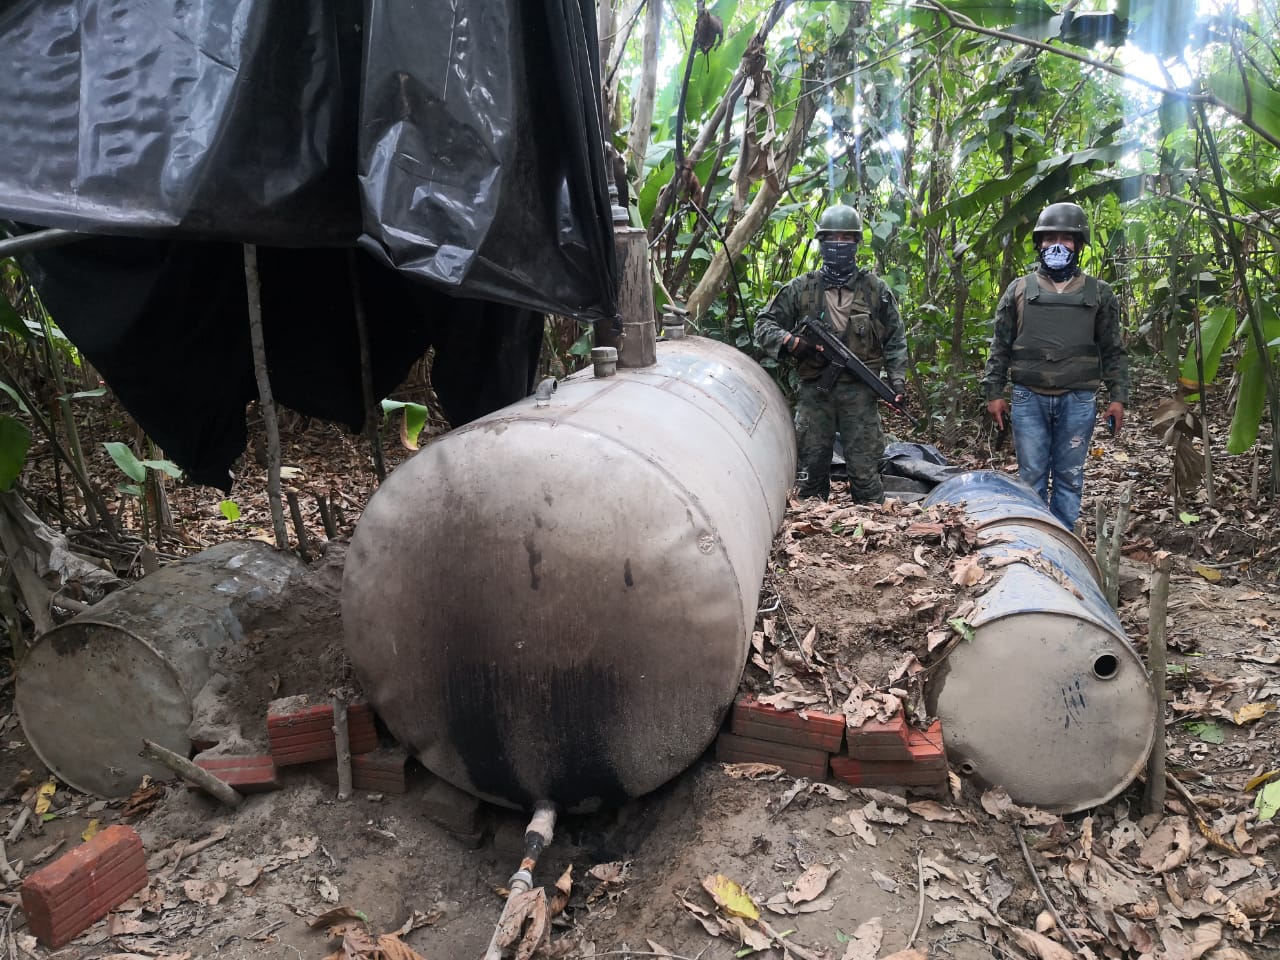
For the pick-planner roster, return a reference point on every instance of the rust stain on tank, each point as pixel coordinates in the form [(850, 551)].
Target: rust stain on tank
[(626, 574)]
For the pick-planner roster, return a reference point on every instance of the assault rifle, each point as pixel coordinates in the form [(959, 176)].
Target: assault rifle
[(839, 357)]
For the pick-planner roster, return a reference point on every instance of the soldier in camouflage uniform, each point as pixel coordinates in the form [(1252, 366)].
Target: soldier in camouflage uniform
[(859, 309), (1057, 336)]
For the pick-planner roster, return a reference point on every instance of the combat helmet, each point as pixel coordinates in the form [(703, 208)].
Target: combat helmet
[(840, 218), (1062, 218)]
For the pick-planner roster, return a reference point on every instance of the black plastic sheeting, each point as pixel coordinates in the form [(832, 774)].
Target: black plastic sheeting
[(187, 378), (459, 145)]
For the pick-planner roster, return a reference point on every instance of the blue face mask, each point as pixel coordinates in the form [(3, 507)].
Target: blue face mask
[(1057, 256)]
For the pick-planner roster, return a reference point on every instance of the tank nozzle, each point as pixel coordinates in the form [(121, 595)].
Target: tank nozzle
[(542, 395), (604, 360)]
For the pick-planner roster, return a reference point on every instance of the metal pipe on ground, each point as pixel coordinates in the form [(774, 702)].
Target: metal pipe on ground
[(1049, 699)]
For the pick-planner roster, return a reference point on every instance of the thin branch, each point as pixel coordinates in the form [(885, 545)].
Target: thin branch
[(1026, 855)]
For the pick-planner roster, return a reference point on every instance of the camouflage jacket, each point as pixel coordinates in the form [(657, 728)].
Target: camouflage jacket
[(799, 296), (1106, 334)]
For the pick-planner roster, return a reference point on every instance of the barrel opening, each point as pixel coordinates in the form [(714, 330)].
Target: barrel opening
[(968, 768), (1106, 666)]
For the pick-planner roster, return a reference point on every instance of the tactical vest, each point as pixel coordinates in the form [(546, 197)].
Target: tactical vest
[(865, 333), (1055, 347)]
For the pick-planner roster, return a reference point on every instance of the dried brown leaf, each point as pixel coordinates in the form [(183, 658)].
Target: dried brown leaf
[(866, 940), (811, 883), (935, 812), (1038, 945)]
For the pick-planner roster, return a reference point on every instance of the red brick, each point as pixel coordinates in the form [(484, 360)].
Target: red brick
[(245, 774), (879, 742), (804, 728), (797, 761), (861, 773), (65, 898), (305, 734), (927, 743), (381, 771)]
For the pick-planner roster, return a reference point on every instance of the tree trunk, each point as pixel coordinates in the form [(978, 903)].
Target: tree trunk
[(719, 269), (642, 114)]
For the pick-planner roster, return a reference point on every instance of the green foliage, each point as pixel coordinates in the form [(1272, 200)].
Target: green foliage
[(229, 509), (135, 469), (415, 418), (15, 440)]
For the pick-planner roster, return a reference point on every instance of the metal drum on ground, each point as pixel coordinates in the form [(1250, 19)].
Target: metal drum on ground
[(1049, 699)]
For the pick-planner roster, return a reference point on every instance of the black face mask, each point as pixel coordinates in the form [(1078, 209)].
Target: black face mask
[(1061, 269), (838, 261)]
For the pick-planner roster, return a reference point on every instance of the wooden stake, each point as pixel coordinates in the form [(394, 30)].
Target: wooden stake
[(1157, 656), (295, 511), (1117, 541), (265, 400), (371, 409), (342, 743), (183, 767), (326, 516), (1100, 540)]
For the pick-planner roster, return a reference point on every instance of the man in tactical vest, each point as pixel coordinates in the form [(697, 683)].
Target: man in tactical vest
[(1057, 337), (859, 309)]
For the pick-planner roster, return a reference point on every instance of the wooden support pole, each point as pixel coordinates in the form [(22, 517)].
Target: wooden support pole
[(1117, 542), (1157, 660), (295, 511), (326, 516), (1100, 540), (183, 767), (342, 744), (371, 411), (265, 400)]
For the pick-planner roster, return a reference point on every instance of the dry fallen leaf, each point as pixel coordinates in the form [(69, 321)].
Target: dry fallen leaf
[(753, 771), (1251, 712), (998, 803), (865, 944), (1038, 945), (731, 897), (241, 872), (811, 883), (1168, 845), (335, 916), (564, 887), (207, 892), (935, 812)]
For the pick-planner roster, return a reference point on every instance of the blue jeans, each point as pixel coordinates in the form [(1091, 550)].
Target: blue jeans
[(1051, 435)]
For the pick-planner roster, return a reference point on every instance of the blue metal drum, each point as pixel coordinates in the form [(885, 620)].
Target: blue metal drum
[(1050, 699)]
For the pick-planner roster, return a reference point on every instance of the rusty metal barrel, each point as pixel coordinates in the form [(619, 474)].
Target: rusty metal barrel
[(553, 604), (1049, 700), (129, 668)]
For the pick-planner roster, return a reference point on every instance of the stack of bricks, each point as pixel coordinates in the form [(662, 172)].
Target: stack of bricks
[(892, 754), (82, 886), (809, 743), (801, 742), (382, 771), (300, 732)]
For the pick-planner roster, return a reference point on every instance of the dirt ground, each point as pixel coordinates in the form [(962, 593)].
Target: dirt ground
[(865, 870)]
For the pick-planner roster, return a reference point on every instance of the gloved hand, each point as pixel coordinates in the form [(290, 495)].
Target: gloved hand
[(801, 348), (899, 387)]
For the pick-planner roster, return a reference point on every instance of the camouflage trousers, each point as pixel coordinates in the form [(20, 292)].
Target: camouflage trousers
[(849, 408)]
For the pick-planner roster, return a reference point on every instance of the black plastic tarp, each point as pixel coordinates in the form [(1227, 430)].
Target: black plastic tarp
[(458, 145), (464, 139)]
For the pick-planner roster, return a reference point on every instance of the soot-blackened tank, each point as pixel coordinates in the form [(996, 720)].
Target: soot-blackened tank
[(554, 603)]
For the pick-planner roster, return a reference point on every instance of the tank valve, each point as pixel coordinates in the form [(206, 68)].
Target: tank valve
[(542, 395), (604, 360), (673, 322)]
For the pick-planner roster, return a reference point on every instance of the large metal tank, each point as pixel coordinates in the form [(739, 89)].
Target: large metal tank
[(554, 603), (1049, 699)]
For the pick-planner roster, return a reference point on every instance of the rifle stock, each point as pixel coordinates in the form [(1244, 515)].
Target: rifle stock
[(840, 357)]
